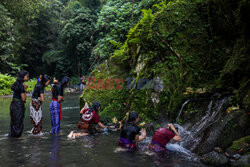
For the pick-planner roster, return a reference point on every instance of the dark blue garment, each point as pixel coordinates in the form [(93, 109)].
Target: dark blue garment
[(55, 117)]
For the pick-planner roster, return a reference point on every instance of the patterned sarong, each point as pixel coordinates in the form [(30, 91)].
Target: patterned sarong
[(36, 115), (125, 143), (55, 117), (156, 147)]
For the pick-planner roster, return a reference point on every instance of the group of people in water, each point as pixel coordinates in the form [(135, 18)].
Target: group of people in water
[(17, 106), (130, 134)]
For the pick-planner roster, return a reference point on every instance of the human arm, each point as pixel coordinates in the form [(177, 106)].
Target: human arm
[(85, 107), (141, 137), (23, 94), (177, 136), (60, 99), (41, 98), (101, 125)]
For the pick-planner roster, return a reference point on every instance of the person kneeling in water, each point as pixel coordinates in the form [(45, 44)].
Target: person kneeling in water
[(89, 117), (130, 133), (162, 136)]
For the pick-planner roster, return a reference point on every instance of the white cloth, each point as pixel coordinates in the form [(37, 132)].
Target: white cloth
[(35, 115)]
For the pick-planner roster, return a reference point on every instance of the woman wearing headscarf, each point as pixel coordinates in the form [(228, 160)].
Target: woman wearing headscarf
[(36, 103), (130, 132), (17, 107), (55, 105)]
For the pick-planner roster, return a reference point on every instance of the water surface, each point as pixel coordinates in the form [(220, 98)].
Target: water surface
[(95, 151)]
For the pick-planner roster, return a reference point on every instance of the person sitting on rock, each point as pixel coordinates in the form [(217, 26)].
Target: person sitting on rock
[(162, 136)]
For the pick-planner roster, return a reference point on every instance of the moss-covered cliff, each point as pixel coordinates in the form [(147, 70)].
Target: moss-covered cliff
[(194, 43)]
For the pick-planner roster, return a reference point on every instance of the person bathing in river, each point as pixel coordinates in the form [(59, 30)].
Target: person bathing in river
[(162, 136), (89, 117), (36, 104), (83, 83), (55, 105), (17, 107), (130, 133)]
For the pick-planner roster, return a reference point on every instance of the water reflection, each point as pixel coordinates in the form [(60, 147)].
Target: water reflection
[(16, 151), (54, 159)]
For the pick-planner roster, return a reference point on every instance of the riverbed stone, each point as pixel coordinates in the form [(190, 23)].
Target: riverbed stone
[(215, 159), (244, 161), (236, 156), (218, 150)]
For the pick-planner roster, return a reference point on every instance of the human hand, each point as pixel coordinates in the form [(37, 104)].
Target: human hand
[(143, 132), (25, 86), (170, 125)]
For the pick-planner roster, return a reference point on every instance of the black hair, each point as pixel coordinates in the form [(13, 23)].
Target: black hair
[(95, 107), (45, 78), (132, 117), (19, 81), (64, 81)]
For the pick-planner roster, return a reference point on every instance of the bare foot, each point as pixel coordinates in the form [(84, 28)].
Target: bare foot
[(71, 134)]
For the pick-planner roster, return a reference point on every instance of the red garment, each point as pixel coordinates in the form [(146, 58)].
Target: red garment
[(60, 108), (95, 117), (163, 136)]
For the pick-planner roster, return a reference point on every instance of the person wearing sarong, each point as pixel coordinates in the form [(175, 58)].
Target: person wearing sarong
[(17, 107), (130, 133), (36, 103), (89, 118), (161, 137), (55, 105)]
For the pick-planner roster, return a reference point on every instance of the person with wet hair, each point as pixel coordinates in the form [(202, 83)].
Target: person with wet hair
[(36, 103), (89, 118), (130, 132), (55, 105), (162, 136), (17, 107)]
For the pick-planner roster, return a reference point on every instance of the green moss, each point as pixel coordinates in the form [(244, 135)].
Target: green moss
[(240, 146), (173, 41)]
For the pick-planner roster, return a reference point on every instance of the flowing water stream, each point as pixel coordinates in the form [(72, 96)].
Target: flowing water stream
[(98, 150)]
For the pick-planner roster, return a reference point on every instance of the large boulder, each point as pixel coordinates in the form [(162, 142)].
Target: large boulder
[(230, 127)]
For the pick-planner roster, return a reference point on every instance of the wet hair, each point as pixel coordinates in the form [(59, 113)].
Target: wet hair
[(16, 86), (132, 117), (94, 107), (45, 78), (64, 81)]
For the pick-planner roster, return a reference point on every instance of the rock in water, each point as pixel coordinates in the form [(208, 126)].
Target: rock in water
[(243, 161), (218, 150), (236, 156), (214, 159)]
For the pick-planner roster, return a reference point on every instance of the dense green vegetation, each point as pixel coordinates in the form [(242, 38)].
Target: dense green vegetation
[(197, 44), (201, 44), (6, 82)]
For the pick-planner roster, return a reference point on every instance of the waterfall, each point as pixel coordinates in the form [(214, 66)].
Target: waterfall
[(192, 137), (183, 105)]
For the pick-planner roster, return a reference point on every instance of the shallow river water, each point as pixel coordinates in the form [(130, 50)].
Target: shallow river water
[(93, 151)]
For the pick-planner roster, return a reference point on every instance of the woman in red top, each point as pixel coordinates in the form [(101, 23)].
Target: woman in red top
[(89, 117), (162, 136)]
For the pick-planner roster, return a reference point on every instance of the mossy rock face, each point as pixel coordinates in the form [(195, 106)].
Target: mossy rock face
[(238, 126), (224, 131), (241, 146)]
